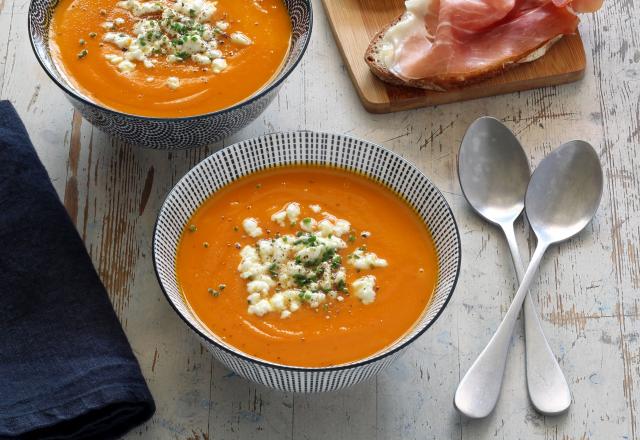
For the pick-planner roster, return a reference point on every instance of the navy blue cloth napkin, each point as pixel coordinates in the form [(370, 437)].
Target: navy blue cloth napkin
[(66, 368)]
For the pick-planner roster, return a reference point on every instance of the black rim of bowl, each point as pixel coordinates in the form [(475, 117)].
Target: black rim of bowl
[(268, 87), (256, 360)]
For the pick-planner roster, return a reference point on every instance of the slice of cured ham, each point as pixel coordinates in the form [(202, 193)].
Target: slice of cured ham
[(449, 42), (581, 5)]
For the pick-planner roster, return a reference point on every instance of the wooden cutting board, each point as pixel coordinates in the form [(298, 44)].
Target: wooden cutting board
[(355, 22)]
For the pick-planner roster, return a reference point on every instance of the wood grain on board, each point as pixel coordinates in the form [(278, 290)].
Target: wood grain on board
[(356, 22)]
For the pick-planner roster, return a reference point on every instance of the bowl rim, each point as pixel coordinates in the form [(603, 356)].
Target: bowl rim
[(357, 364), (267, 88)]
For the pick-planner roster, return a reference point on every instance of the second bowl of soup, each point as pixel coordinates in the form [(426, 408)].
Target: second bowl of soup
[(165, 73), (306, 261)]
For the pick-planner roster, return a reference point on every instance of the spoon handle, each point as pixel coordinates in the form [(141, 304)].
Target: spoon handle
[(548, 388), (479, 389)]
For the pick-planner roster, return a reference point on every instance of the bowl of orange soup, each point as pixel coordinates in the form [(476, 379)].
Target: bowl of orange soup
[(306, 261), (169, 74)]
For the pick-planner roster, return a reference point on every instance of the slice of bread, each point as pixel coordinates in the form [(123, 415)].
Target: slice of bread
[(445, 81)]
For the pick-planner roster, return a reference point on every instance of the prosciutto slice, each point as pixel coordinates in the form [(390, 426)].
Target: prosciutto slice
[(473, 38), (581, 5)]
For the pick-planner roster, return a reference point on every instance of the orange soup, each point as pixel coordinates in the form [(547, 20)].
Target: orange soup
[(307, 266), (170, 58)]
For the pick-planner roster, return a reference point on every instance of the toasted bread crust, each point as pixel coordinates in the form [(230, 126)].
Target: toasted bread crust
[(441, 83)]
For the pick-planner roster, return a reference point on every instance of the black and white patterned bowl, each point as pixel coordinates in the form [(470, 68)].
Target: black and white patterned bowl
[(270, 151), (169, 133)]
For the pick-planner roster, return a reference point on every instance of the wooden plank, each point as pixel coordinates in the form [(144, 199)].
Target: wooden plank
[(355, 22)]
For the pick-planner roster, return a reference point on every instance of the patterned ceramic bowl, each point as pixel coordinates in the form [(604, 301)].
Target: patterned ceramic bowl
[(169, 133), (269, 151)]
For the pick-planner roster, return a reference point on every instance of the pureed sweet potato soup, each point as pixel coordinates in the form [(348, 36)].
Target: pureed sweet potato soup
[(170, 58), (307, 266)]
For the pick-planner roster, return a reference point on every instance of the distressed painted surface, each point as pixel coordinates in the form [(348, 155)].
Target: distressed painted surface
[(587, 289)]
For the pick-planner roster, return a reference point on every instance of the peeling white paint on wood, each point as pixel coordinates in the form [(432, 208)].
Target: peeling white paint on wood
[(587, 291)]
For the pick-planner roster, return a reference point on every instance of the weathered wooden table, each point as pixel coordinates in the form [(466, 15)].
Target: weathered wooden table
[(587, 292)]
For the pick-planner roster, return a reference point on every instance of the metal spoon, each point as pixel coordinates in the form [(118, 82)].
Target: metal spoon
[(561, 199), (494, 174)]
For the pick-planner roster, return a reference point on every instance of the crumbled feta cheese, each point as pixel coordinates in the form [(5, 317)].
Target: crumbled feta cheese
[(126, 66), (146, 25), (140, 8), (341, 227), (258, 286), (193, 44), (261, 308), (183, 33), (364, 288), (201, 59), (316, 298), (315, 208), (293, 212), (173, 83), (200, 10), (294, 306), (250, 266), (250, 226), (278, 302), (123, 41), (241, 39), (134, 54), (304, 268), (113, 59), (208, 35), (150, 79), (279, 217), (308, 224), (361, 259), (337, 227), (219, 64)]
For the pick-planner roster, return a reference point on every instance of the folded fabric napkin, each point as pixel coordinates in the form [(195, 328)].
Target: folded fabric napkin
[(66, 368)]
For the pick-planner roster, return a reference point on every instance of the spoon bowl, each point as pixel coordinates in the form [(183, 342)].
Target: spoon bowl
[(564, 192), (493, 170)]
